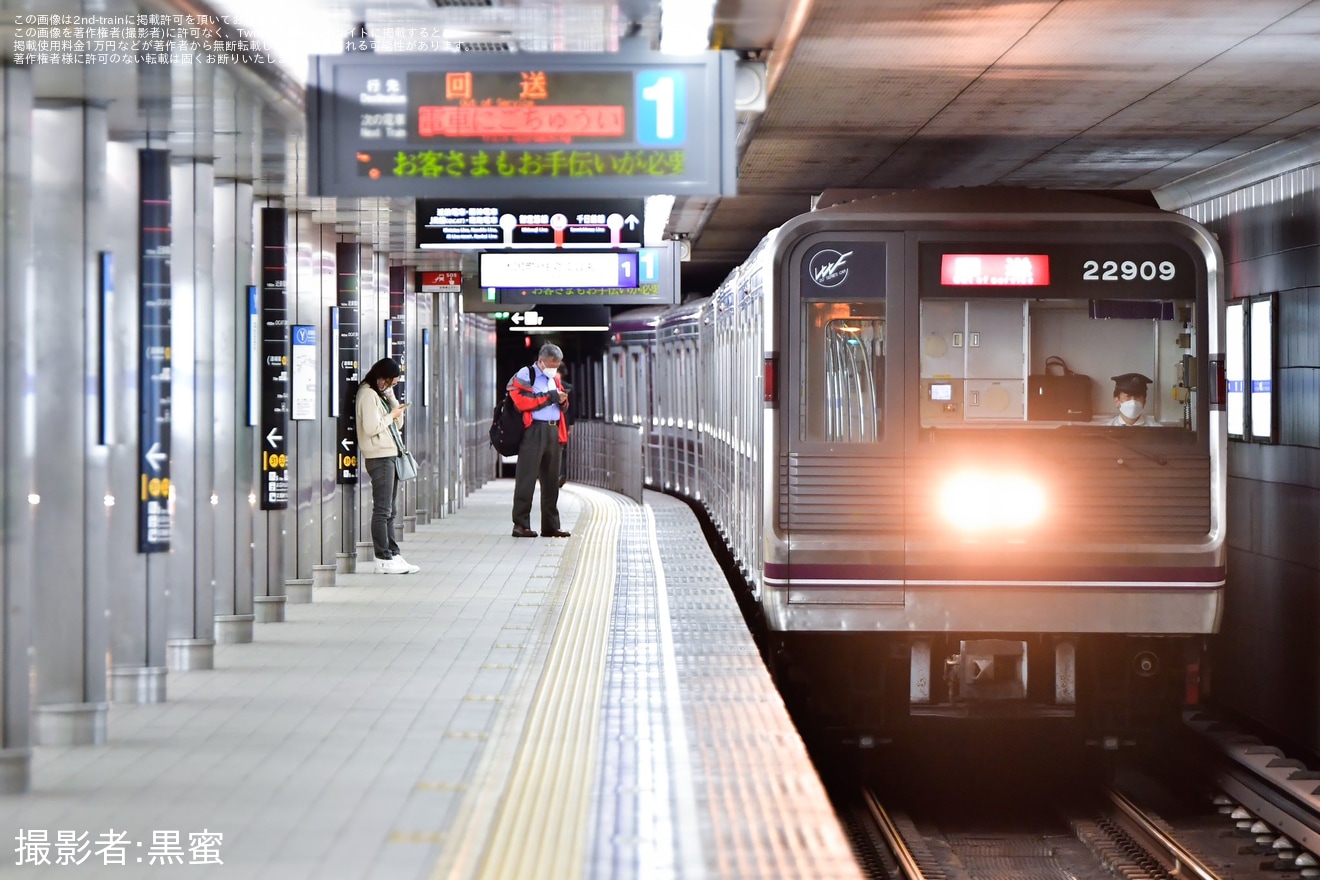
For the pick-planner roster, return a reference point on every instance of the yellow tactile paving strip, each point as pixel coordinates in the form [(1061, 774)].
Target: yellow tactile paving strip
[(534, 824)]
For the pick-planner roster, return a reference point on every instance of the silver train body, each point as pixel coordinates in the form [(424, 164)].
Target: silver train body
[(872, 411)]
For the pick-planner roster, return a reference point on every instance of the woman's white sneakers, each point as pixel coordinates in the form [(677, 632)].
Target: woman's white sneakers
[(397, 565)]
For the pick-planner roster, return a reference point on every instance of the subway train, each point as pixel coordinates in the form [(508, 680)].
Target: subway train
[(900, 415)]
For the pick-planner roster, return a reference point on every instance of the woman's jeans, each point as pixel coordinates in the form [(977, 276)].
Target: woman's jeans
[(384, 486)]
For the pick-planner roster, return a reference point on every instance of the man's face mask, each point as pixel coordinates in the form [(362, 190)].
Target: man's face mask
[(549, 371), (1130, 408)]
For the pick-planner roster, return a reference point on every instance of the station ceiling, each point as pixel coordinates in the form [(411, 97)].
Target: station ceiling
[(1089, 94)]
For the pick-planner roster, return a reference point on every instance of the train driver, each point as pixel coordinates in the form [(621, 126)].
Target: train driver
[(1130, 400)]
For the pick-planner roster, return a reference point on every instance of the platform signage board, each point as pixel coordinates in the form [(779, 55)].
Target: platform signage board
[(396, 332), (557, 319), (530, 224), (303, 368), (657, 284), (345, 334), (615, 269), (253, 355), (154, 350), (623, 124), (441, 282), (274, 362)]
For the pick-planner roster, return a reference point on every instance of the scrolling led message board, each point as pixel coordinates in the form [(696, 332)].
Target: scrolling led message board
[(620, 125)]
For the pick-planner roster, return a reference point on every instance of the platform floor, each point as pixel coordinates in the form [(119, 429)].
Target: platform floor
[(519, 708)]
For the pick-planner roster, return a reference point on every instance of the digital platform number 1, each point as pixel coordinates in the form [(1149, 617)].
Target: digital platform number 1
[(661, 107)]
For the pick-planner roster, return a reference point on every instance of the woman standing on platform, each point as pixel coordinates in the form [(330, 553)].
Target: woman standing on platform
[(377, 410)]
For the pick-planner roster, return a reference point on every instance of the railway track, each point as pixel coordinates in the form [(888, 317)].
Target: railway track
[(1121, 841), (1231, 807)]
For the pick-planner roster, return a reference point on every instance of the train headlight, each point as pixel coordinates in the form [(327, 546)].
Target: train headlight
[(976, 502)]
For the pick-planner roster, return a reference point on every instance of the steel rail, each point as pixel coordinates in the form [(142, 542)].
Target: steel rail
[(906, 863), (1278, 790), (1184, 863)]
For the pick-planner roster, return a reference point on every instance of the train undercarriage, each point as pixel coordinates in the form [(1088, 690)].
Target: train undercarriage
[(870, 688)]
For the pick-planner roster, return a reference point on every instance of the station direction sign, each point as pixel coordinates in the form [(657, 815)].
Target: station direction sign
[(557, 319), (657, 277), (617, 269), (155, 525), (530, 224), (627, 124), (275, 353)]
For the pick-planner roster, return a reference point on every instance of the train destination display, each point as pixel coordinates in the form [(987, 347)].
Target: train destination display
[(627, 124), (1137, 270)]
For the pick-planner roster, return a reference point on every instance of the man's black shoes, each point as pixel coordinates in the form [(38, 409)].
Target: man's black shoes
[(521, 532)]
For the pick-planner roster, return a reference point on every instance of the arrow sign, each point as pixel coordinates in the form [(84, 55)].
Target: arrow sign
[(155, 457), (517, 318), (274, 438), (347, 444), (631, 222)]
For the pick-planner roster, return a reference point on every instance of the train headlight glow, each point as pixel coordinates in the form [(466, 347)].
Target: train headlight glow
[(978, 502)]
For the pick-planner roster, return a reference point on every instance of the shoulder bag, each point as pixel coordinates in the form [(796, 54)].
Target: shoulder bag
[(404, 463), (405, 466)]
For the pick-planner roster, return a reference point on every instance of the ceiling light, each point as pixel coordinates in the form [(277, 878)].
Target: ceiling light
[(685, 25), (658, 209)]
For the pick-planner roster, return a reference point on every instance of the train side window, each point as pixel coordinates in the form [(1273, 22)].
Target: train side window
[(843, 391)]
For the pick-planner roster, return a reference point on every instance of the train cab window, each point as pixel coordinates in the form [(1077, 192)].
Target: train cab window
[(843, 399), (999, 361)]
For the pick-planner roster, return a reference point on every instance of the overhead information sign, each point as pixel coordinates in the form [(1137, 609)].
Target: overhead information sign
[(441, 126), (559, 319), (527, 224), (657, 283), (557, 270)]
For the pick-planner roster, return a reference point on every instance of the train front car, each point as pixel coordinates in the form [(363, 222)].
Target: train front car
[(958, 508)]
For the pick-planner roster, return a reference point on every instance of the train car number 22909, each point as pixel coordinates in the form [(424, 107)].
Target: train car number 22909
[(1128, 270)]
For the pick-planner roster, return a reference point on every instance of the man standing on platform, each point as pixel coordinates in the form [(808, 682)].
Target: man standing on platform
[(541, 398)]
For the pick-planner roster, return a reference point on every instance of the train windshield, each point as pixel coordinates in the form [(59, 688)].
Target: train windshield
[(995, 361), (844, 398)]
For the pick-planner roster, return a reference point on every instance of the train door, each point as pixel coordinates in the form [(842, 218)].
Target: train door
[(840, 503)]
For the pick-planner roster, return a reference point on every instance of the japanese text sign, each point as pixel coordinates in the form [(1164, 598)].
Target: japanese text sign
[(629, 124)]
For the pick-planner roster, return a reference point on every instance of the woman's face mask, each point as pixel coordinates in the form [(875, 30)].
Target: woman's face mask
[(1130, 409)]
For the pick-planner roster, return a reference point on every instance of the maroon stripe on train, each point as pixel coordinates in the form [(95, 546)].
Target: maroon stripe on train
[(835, 572), (1021, 574)]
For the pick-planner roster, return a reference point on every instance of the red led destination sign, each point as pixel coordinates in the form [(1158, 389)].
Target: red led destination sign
[(625, 124), (995, 270)]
